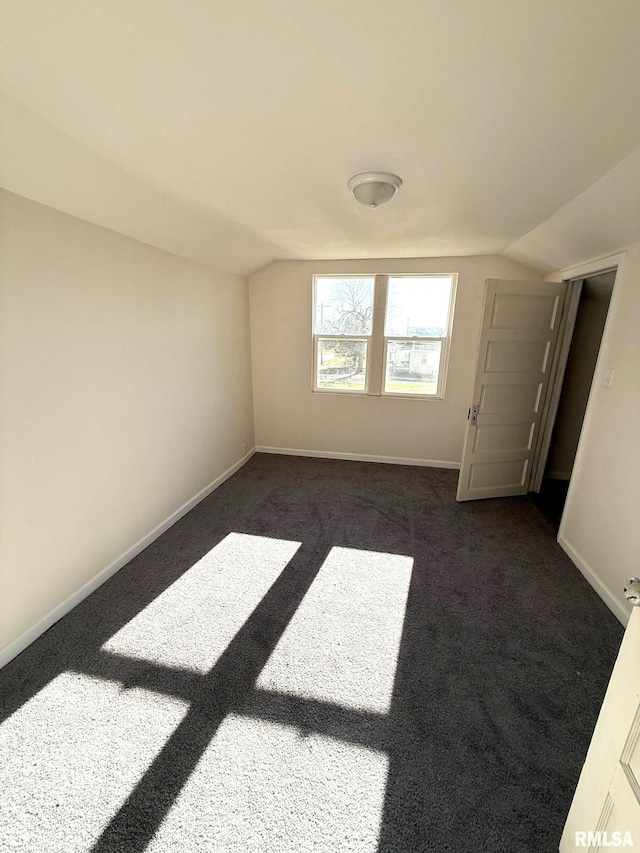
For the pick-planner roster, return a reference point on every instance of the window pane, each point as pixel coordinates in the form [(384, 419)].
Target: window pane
[(418, 305), (344, 306), (412, 367), (342, 365)]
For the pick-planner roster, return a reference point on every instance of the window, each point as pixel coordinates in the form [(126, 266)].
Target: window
[(383, 334)]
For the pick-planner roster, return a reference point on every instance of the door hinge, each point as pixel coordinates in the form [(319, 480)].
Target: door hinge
[(473, 415)]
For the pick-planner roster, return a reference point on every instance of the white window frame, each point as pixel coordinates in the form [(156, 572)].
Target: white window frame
[(378, 342)]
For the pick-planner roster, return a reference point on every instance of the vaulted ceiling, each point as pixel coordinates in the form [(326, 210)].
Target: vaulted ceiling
[(226, 130)]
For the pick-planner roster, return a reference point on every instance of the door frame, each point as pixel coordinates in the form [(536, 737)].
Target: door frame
[(556, 380), (552, 397)]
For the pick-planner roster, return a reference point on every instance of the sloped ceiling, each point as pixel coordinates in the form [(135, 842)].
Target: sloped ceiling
[(599, 221), (226, 131)]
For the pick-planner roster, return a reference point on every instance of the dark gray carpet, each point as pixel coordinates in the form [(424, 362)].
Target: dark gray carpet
[(323, 655)]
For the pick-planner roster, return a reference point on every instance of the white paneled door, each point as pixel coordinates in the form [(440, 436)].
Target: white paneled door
[(605, 812), (517, 341)]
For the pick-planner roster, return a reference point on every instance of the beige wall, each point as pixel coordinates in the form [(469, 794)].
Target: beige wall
[(125, 389), (600, 523), (287, 413)]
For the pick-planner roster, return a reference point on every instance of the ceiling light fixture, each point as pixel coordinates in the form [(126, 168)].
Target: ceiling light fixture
[(374, 188)]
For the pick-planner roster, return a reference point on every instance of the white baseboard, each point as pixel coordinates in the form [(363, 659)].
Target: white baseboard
[(27, 637), (612, 602), (358, 457)]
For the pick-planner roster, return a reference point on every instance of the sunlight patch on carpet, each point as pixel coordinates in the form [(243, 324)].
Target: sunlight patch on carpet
[(342, 644), (190, 625), (70, 757), (263, 786)]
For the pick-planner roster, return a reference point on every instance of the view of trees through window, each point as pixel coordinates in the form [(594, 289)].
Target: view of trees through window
[(416, 326), (344, 306)]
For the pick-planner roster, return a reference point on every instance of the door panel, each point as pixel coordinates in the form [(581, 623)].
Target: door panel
[(522, 400), (497, 474), (516, 356), (511, 311), (503, 437), (518, 336), (630, 758), (621, 813)]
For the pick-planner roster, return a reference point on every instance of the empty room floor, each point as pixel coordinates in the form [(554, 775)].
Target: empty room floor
[(321, 656)]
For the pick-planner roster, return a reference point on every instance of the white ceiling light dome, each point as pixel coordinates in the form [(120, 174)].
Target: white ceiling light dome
[(374, 188)]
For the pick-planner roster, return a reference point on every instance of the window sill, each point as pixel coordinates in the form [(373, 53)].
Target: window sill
[(422, 397)]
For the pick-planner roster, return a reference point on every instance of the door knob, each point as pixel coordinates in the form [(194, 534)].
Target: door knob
[(632, 591)]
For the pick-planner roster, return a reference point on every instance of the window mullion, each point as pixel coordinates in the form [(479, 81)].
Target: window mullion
[(376, 368)]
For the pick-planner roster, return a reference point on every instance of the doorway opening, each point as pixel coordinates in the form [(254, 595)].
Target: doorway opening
[(593, 306)]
